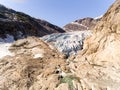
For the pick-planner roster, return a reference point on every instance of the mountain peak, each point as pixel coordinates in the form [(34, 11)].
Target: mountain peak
[(87, 23)]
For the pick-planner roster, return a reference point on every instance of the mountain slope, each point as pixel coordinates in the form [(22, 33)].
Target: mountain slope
[(19, 25), (82, 24), (98, 64), (34, 65)]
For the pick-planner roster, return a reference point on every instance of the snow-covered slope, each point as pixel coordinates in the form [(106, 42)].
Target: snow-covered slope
[(68, 43), (5, 44), (4, 49), (87, 23)]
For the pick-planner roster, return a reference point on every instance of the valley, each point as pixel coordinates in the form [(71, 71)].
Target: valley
[(37, 55)]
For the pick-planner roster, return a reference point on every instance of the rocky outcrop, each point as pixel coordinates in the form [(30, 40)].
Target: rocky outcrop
[(67, 43), (34, 66), (98, 64), (82, 24), (20, 25)]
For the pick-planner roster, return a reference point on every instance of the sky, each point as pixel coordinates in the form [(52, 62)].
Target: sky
[(59, 12)]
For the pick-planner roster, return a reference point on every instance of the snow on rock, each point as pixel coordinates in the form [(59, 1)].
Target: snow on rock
[(38, 55), (76, 23), (98, 17), (8, 39), (68, 43), (5, 43), (4, 50)]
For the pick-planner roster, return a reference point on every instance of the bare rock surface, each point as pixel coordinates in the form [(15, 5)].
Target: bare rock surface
[(26, 71), (98, 64)]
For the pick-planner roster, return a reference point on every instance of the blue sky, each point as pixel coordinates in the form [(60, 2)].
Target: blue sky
[(60, 12)]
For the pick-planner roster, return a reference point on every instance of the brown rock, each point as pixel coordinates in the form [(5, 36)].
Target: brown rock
[(63, 86), (81, 24), (26, 71), (98, 64)]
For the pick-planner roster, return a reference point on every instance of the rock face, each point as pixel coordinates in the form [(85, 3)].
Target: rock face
[(68, 43), (20, 25), (98, 64), (34, 66), (82, 24)]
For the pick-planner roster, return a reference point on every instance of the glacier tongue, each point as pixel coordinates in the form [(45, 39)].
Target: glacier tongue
[(68, 43)]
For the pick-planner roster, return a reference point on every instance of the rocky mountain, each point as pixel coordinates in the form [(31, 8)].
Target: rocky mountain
[(20, 25), (98, 64), (32, 64), (67, 43), (82, 24)]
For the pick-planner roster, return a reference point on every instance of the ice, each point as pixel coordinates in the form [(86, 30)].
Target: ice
[(68, 43)]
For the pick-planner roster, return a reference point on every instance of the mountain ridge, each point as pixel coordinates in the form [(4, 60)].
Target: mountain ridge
[(87, 23), (12, 22)]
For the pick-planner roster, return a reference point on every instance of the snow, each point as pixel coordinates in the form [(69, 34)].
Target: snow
[(4, 50), (76, 23), (8, 39), (5, 44), (38, 56), (37, 52), (98, 17), (63, 74)]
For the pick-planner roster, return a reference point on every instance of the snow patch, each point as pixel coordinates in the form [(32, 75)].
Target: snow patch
[(38, 56), (4, 50), (8, 39), (76, 23), (63, 74), (37, 52), (98, 17)]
